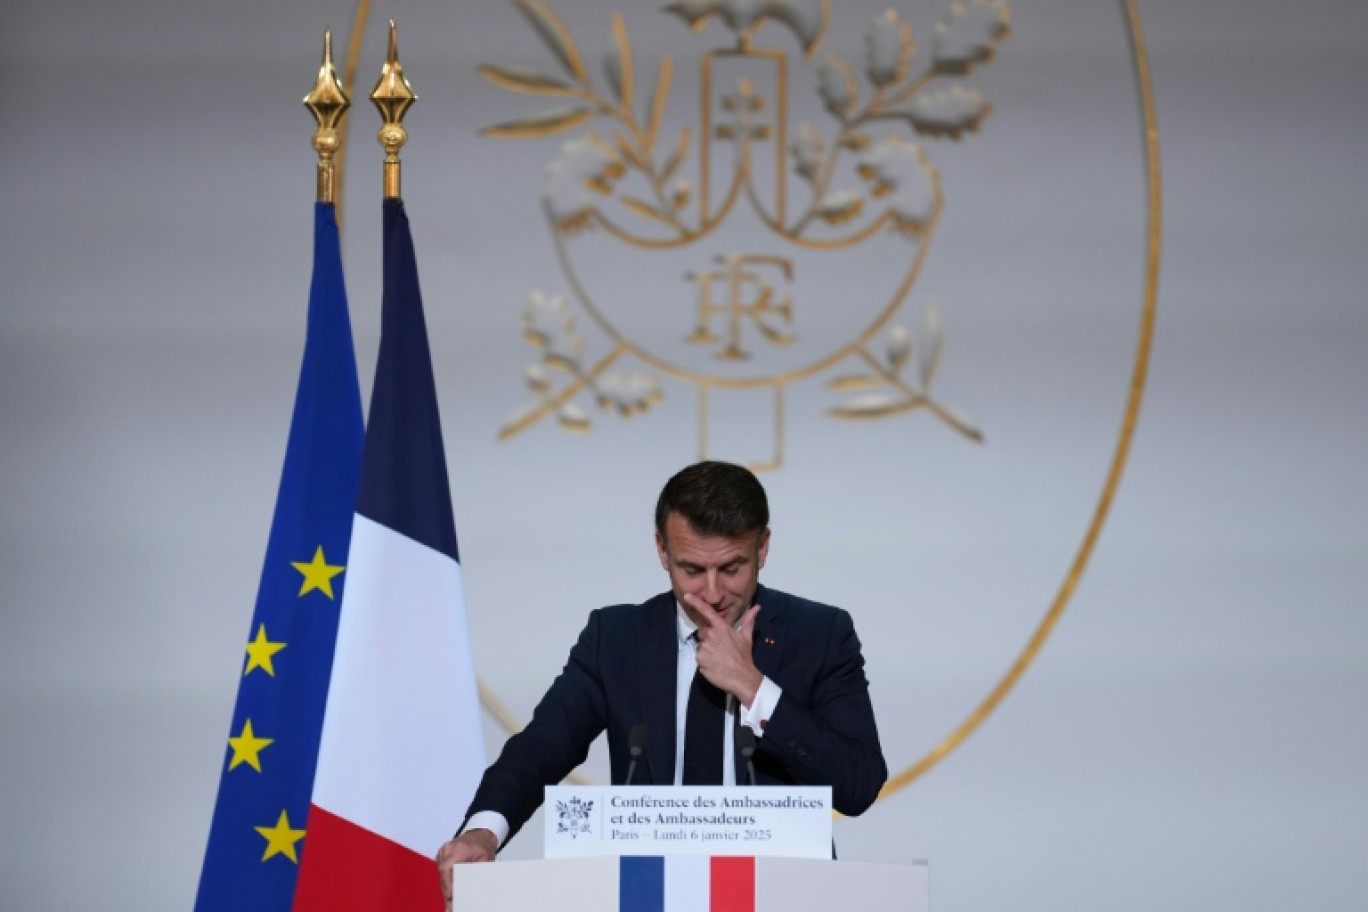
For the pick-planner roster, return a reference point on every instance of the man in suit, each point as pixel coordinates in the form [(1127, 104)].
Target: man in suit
[(716, 651)]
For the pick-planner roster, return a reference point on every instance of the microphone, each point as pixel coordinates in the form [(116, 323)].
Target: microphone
[(745, 739), (636, 743)]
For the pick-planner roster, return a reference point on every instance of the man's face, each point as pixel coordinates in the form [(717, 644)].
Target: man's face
[(720, 572)]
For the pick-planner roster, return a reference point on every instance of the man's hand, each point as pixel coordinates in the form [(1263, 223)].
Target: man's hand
[(472, 845), (724, 654)]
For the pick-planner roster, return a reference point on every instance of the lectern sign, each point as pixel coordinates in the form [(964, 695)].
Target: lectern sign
[(688, 820)]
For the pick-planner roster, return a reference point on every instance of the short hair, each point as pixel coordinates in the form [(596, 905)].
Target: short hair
[(717, 498)]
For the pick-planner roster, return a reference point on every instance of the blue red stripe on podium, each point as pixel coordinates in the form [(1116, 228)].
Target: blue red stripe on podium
[(652, 883)]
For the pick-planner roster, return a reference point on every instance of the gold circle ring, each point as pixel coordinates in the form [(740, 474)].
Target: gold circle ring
[(1120, 453)]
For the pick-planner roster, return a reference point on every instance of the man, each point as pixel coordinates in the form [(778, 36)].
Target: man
[(789, 669)]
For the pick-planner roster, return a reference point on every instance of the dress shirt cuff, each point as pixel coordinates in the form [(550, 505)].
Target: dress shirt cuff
[(762, 707), (493, 821)]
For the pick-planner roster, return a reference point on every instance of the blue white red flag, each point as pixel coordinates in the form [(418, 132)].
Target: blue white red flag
[(686, 883), (402, 747)]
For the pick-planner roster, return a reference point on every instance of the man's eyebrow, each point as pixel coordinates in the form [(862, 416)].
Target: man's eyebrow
[(734, 562)]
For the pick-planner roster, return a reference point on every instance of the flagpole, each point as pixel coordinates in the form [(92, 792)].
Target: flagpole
[(393, 96), (257, 837), (328, 102)]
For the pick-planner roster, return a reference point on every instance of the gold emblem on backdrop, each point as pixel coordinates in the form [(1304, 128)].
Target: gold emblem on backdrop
[(746, 303), (751, 221)]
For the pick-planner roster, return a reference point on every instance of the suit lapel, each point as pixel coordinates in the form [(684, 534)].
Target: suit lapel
[(659, 656), (767, 650), (767, 646)]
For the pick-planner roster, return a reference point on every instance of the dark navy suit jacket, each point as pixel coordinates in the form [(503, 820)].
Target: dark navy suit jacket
[(622, 672)]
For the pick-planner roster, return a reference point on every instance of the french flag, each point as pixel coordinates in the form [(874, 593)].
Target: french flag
[(402, 748), (686, 883)]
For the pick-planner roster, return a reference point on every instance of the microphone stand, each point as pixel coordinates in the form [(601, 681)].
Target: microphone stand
[(636, 745), (745, 737)]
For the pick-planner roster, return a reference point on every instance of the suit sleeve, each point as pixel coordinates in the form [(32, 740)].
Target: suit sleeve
[(565, 723), (826, 734)]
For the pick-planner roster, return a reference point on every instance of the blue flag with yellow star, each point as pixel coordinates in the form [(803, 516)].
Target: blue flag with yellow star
[(257, 836)]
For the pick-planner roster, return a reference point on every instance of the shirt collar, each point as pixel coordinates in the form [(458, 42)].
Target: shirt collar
[(684, 625)]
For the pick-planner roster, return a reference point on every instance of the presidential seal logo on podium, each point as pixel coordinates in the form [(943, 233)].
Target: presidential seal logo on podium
[(774, 235)]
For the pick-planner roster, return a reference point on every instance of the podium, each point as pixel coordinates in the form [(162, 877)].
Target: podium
[(688, 849), (690, 884)]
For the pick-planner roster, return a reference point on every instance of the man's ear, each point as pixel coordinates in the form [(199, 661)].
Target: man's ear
[(763, 550)]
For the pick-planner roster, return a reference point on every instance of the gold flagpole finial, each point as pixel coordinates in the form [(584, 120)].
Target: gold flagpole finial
[(393, 96), (327, 102)]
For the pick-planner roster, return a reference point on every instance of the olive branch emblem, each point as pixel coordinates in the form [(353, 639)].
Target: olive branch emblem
[(626, 177), (573, 817)]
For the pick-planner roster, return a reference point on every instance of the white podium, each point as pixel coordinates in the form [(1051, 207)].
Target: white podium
[(688, 849), (690, 884)]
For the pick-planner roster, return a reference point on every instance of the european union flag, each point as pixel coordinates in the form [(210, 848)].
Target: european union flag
[(257, 836)]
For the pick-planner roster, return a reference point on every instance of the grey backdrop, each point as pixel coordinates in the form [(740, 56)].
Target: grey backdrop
[(1192, 736)]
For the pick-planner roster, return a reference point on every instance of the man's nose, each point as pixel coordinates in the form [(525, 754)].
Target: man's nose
[(712, 590)]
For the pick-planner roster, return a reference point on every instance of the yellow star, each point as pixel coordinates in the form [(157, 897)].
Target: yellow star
[(247, 748), (280, 839), (318, 574), (259, 653)]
